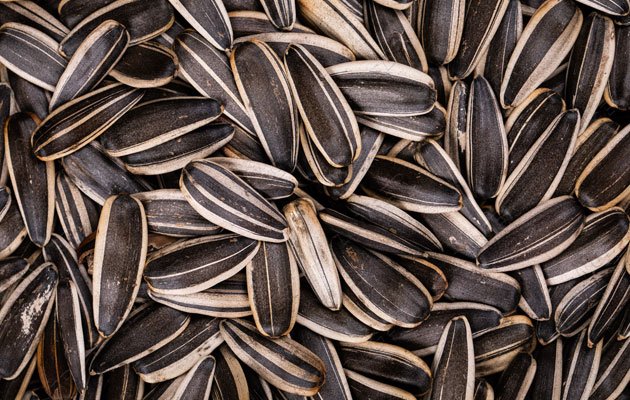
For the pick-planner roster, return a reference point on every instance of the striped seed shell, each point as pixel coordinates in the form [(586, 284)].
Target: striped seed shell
[(574, 311), (246, 22), (455, 136), (316, 261), (395, 35), (410, 187), (77, 122), (535, 300), (605, 181), (579, 368), (546, 331), (122, 383), (338, 325), (415, 128), (617, 92), (77, 213), (384, 88), (68, 313), (612, 7), (517, 378), (486, 142), (336, 385), (168, 37), (143, 22), (327, 116), (229, 378), (223, 198), (281, 13), (313, 166), (99, 176), (153, 123), (30, 13), (168, 213), (197, 382), (282, 362), (424, 338), (547, 382), (209, 18), (33, 182), (120, 252), (537, 236), (590, 65), (270, 181), (93, 60), (337, 21), (29, 97), (455, 232), (269, 101), (273, 287), (546, 40), (588, 144), (52, 365), (440, 27), (12, 269), (369, 275), (197, 341), (480, 25), (145, 331), (396, 4), (467, 282), (613, 376), (174, 154), (326, 50), (496, 347), (71, 12), (536, 176), (43, 67), (387, 363), (197, 264), (427, 273), (611, 306), (24, 315), (529, 120), (12, 230), (604, 237), (16, 388), (226, 299), (363, 387), (146, 65), (483, 390), (502, 45), (208, 71), (454, 363), (352, 303)]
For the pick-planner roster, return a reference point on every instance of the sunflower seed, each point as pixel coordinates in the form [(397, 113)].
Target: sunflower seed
[(16, 388), (156, 18), (384, 88), (352, 303), (613, 7), (11, 271), (369, 274), (546, 40), (588, 144), (455, 137), (71, 12), (197, 264), (427, 273), (30, 13), (316, 261), (246, 22), (536, 176), (480, 24), (535, 301), (77, 122), (454, 362), (69, 319), (613, 374), (389, 364), (282, 362), (537, 236), (232, 204), (416, 128), (269, 101), (116, 263), (210, 19), (33, 182), (94, 59), (314, 167), (43, 67), (229, 379), (200, 338), (483, 390), (363, 387), (197, 382), (318, 98), (52, 365), (395, 35), (273, 286), (24, 315), (517, 378), (580, 368), (338, 325), (440, 27), (605, 235), (604, 181), (546, 331), (145, 331), (456, 233), (281, 13), (547, 383), (227, 299), (336, 385), (99, 176), (616, 94), (146, 65), (336, 20), (486, 142)]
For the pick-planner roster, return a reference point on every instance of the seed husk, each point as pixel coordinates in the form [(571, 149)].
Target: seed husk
[(68, 313), (580, 368), (281, 13), (616, 94), (613, 374), (440, 27), (12, 269), (517, 378), (71, 12), (535, 301), (229, 378), (363, 387), (247, 22), (455, 136), (209, 18), (16, 388), (415, 128), (30, 13), (52, 365), (146, 65), (456, 233), (547, 382)]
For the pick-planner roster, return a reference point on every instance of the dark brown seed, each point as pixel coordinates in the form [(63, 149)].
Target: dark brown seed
[(579, 368), (517, 378), (547, 383), (146, 65), (440, 27), (616, 94)]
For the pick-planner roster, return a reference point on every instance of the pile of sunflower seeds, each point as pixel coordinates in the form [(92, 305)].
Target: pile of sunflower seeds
[(315, 199)]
